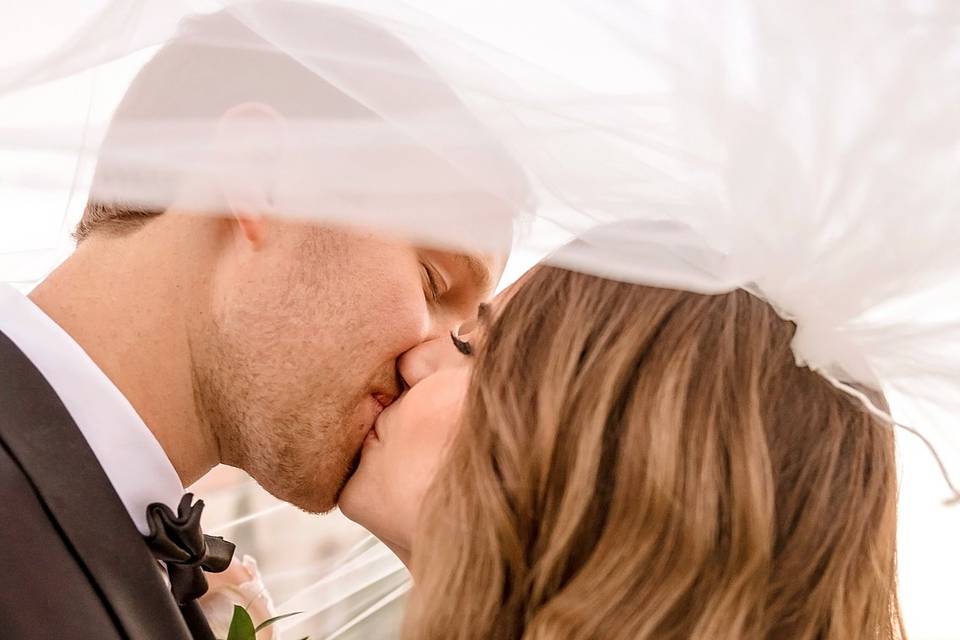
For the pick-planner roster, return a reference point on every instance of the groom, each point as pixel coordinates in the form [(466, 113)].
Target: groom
[(168, 343)]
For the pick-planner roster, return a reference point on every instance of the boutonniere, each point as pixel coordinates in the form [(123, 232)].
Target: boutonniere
[(241, 625), (238, 606)]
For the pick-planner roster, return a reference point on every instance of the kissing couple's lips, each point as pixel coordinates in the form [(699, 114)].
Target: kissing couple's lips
[(383, 418), (383, 401)]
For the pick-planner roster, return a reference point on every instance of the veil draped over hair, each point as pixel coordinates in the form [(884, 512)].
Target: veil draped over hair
[(808, 152)]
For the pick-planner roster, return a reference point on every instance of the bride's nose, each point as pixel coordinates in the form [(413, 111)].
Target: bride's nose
[(428, 358)]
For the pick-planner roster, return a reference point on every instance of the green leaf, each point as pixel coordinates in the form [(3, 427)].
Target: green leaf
[(241, 626), (267, 623)]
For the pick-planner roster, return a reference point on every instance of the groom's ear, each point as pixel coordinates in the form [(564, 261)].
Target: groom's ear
[(249, 144)]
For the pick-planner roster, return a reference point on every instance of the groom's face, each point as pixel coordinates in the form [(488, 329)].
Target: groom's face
[(301, 348)]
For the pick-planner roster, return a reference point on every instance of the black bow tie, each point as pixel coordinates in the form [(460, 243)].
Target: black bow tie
[(178, 542)]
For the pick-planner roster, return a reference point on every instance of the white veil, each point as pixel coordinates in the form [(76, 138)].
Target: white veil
[(806, 151)]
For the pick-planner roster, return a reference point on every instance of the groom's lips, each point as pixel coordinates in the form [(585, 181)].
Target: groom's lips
[(384, 400)]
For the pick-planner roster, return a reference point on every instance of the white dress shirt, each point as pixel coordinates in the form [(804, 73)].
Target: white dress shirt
[(133, 460)]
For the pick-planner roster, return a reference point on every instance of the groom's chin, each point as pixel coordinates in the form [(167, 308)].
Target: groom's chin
[(354, 465), (339, 487), (315, 502), (312, 494)]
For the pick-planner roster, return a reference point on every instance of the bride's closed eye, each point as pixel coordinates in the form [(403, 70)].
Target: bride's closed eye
[(464, 346)]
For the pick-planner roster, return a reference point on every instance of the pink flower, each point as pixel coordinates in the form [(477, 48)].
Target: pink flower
[(240, 585)]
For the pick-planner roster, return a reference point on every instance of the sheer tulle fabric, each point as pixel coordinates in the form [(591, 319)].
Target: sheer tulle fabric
[(806, 151)]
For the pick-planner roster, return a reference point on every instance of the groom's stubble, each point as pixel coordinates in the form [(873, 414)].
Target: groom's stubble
[(283, 380), (270, 447)]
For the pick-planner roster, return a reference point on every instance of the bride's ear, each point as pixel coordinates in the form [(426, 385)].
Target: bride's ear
[(249, 147)]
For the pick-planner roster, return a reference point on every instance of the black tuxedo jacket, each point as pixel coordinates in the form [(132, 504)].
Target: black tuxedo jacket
[(72, 564)]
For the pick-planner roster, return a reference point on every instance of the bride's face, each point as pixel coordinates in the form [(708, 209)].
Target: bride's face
[(402, 454)]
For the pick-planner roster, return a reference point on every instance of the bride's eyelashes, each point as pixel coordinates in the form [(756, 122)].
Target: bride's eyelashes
[(462, 346)]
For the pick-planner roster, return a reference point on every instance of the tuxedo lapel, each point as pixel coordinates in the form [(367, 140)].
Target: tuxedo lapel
[(196, 621), (42, 437)]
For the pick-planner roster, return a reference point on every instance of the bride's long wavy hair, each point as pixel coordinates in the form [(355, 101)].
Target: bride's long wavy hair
[(645, 463)]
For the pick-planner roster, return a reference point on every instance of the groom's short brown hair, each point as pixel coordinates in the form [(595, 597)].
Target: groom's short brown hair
[(190, 78), (115, 218)]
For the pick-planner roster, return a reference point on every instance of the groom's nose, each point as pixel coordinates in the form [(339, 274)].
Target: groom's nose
[(427, 358)]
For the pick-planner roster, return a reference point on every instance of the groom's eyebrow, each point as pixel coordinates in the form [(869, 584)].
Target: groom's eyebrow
[(478, 270)]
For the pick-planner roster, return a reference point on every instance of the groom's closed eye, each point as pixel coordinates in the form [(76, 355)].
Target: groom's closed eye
[(434, 284)]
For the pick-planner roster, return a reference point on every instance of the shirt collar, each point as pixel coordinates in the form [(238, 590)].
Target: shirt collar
[(133, 460)]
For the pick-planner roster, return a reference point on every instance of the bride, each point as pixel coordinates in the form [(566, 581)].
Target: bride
[(596, 459)]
